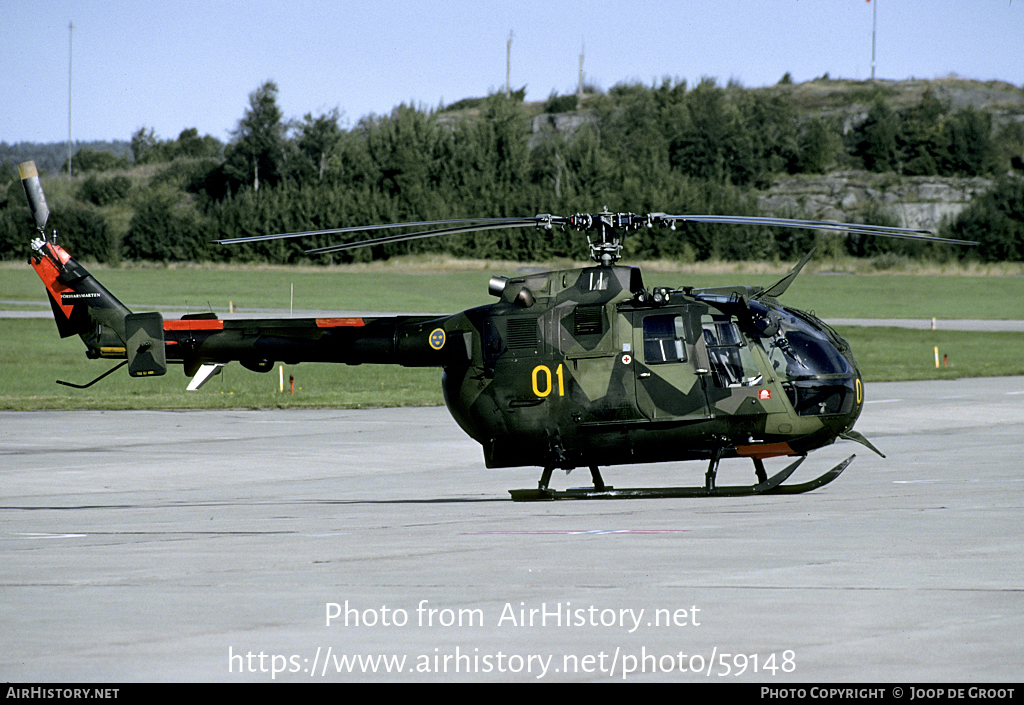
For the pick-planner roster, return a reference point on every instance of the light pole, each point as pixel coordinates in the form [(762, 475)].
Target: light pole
[(71, 27), (508, 65), (874, 20)]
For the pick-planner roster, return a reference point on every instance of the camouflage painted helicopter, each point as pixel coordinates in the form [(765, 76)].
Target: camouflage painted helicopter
[(571, 368)]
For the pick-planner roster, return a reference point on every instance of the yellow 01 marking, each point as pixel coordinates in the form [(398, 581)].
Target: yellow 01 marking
[(547, 381)]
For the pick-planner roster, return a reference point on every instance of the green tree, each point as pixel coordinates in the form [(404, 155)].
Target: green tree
[(875, 213), (633, 132), (191, 146), (318, 140), (715, 145), (1010, 147), (103, 192), (820, 146), (86, 160), (166, 227), (920, 140), (995, 220), (502, 139), (146, 146), (401, 148), (573, 168), (770, 126), (970, 150), (82, 229), (877, 138), (256, 154)]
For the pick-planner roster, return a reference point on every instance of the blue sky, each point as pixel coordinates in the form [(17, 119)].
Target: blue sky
[(192, 63)]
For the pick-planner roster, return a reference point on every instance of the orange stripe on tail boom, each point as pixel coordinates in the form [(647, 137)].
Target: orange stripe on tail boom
[(339, 322)]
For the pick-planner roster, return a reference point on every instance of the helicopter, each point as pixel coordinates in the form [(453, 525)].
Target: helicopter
[(582, 367)]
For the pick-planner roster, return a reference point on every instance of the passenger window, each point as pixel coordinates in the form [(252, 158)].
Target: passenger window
[(663, 339)]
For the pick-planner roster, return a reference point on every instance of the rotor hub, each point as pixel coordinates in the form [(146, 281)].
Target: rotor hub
[(605, 232)]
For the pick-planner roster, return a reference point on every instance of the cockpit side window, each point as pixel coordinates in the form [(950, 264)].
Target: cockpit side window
[(732, 363), (664, 339)]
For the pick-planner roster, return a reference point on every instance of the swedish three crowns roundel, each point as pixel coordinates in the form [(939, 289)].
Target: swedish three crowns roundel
[(437, 339)]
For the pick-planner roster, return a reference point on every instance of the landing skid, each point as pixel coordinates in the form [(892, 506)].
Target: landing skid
[(771, 485), (813, 484)]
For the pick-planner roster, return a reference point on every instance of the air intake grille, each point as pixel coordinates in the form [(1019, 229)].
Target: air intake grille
[(588, 320), (522, 334)]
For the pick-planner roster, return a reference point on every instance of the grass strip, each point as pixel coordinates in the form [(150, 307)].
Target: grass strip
[(32, 357)]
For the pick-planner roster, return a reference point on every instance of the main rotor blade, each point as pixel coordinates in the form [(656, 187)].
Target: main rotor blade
[(505, 223), (355, 229), (857, 228), (592, 222)]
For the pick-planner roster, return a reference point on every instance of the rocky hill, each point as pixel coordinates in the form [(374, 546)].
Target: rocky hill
[(846, 194), (853, 99), (914, 201)]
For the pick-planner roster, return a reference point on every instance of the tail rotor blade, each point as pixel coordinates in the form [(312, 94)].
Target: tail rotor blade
[(34, 193)]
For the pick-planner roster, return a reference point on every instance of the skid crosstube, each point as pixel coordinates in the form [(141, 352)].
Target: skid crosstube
[(772, 485)]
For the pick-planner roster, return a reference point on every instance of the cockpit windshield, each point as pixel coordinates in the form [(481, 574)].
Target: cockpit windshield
[(800, 350), (818, 378)]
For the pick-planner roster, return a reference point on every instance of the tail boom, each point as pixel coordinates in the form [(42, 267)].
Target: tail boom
[(259, 343), (83, 307), (202, 343)]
